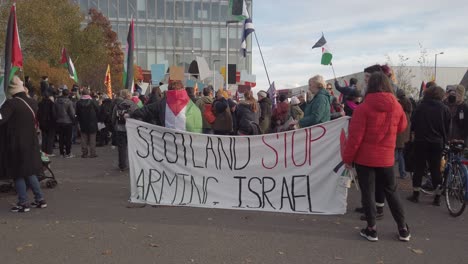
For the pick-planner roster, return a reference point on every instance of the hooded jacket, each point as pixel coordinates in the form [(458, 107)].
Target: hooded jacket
[(431, 122), (201, 102), (87, 114), (64, 110), (318, 110), (373, 130)]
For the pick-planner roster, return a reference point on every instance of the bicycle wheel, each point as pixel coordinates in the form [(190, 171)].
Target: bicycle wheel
[(455, 190)]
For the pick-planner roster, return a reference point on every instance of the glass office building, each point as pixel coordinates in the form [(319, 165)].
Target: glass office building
[(176, 31)]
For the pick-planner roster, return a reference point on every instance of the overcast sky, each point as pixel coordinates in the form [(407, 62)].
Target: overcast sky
[(359, 33)]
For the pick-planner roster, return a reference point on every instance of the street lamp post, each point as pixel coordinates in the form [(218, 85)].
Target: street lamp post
[(227, 48), (435, 64), (214, 73)]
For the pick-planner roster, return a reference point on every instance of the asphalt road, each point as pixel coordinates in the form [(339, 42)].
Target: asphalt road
[(89, 221)]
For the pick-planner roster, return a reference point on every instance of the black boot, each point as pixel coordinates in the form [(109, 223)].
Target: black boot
[(379, 215), (436, 201), (414, 198)]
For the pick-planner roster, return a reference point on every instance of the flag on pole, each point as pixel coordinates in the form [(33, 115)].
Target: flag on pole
[(129, 83), (107, 82), (238, 9), (326, 54), (13, 55), (272, 94), (248, 29), (69, 64)]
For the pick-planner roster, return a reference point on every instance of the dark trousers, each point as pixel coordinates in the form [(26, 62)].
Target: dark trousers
[(48, 139), (122, 147), (369, 178), (428, 154), (64, 132)]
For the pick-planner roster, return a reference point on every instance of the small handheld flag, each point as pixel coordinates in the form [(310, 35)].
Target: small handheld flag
[(107, 82), (326, 54)]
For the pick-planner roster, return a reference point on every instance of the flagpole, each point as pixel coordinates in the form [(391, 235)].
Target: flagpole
[(333, 69), (261, 54)]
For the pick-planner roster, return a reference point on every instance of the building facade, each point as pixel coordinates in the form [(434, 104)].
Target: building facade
[(176, 31)]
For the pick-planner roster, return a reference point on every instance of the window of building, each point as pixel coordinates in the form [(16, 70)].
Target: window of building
[(142, 60), (141, 8), (160, 9), (206, 11), (169, 9), (151, 58), (151, 36), (179, 10), (223, 12), (199, 11), (188, 38), (123, 8), (169, 37), (206, 39), (123, 30), (132, 8), (142, 38), (215, 12), (104, 7), (215, 38), (222, 38), (179, 37), (197, 35), (151, 9), (93, 4), (188, 10), (113, 8), (159, 37)]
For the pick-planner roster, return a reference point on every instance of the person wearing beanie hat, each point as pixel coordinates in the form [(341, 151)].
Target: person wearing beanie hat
[(21, 156), (265, 111), (458, 109), (296, 111)]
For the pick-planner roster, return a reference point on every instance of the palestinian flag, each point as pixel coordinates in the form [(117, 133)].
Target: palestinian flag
[(69, 64), (129, 83), (326, 54), (182, 113), (107, 82), (13, 55)]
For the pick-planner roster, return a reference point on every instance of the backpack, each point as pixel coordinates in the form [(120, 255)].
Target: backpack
[(122, 110), (208, 114)]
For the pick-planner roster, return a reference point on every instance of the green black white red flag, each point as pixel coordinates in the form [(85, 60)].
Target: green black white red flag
[(326, 54), (13, 55), (69, 64), (129, 83)]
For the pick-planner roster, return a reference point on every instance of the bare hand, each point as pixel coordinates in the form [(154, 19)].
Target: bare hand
[(348, 166)]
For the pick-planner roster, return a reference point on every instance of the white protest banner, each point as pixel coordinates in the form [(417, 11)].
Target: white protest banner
[(293, 172)]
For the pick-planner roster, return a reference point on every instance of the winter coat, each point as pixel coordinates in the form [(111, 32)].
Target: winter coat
[(105, 112), (373, 130), (46, 115), (281, 113), (201, 102), (344, 90), (246, 120), (223, 121), (46, 90), (87, 114), (318, 110), (296, 112), (153, 98), (431, 122), (265, 114), (64, 110), (127, 105), (21, 157), (459, 121)]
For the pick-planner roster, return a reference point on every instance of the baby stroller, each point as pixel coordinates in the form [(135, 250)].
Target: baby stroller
[(47, 175)]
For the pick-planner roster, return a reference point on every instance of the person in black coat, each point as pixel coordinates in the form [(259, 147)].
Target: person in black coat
[(22, 157), (87, 111), (46, 117), (105, 116), (430, 124)]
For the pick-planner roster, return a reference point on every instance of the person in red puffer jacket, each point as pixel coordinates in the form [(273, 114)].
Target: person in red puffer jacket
[(371, 147)]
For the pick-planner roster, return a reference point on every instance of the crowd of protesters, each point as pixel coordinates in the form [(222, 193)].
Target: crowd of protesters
[(383, 120)]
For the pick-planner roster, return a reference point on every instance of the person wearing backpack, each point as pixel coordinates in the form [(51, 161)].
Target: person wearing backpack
[(119, 114), (87, 111), (206, 99)]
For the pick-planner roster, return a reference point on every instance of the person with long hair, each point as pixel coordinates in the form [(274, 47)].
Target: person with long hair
[(370, 147)]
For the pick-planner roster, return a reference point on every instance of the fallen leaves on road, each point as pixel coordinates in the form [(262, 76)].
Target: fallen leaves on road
[(57, 222), (149, 236), (380, 262), (18, 249), (107, 252), (4, 222), (153, 245), (29, 245), (133, 227), (417, 251), (210, 219), (90, 238), (281, 252), (338, 258)]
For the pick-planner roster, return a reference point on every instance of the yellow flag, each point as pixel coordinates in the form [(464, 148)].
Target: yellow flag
[(107, 82)]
